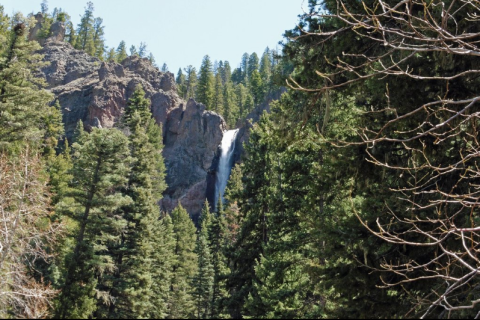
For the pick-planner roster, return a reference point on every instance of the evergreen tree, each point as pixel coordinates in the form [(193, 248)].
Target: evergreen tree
[(181, 83), (121, 52), (44, 32), (133, 51), (86, 31), (254, 201), (137, 103), (253, 65), (111, 55), (237, 76), (266, 69), (181, 304), (98, 40), (164, 68), (191, 82), (71, 36), (244, 69), (206, 83), (226, 73), (230, 105), (100, 167), (142, 50), (164, 260), (4, 29), (134, 255), (256, 88), (203, 280), (241, 94), (217, 235), (24, 107), (44, 7), (131, 286), (151, 58), (217, 103)]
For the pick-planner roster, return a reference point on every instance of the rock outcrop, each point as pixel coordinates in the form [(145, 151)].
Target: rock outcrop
[(192, 138), (97, 92), (88, 88)]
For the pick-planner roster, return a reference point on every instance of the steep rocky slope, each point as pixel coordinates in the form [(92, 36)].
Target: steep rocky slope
[(97, 92)]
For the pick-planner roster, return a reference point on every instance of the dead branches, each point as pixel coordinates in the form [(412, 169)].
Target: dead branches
[(25, 230)]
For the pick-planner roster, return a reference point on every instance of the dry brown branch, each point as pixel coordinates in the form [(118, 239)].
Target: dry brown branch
[(25, 230)]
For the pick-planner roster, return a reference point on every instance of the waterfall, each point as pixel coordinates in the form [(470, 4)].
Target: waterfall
[(225, 164)]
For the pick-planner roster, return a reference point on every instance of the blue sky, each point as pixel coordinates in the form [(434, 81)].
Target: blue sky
[(182, 32)]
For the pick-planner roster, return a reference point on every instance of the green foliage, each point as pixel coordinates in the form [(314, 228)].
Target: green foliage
[(25, 114), (181, 81), (121, 52), (98, 39), (100, 166), (253, 65), (202, 282), (217, 103), (137, 104), (191, 82), (181, 304), (86, 31), (205, 91)]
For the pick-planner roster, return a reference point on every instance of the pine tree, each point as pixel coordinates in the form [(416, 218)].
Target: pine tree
[(137, 103), (242, 95), (206, 83), (151, 58), (181, 304), (226, 73), (164, 68), (133, 51), (203, 280), (253, 65), (266, 69), (86, 31), (132, 285), (254, 201), (230, 104), (142, 50), (98, 38), (100, 167), (181, 83), (24, 107), (4, 29), (244, 69), (217, 103), (191, 82), (256, 88), (111, 55), (237, 76), (44, 32), (164, 260), (44, 7), (217, 238), (71, 36), (121, 52)]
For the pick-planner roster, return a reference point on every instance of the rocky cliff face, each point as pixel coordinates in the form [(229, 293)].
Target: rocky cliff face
[(97, 92)]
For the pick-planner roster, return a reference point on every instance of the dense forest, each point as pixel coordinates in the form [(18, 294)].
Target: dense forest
[(357, 195)]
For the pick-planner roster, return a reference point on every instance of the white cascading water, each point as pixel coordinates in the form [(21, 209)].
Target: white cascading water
[(225, 163)]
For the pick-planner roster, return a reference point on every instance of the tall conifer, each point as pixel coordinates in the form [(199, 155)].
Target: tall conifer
[(100, 166), (181, 304), (206, 83)]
